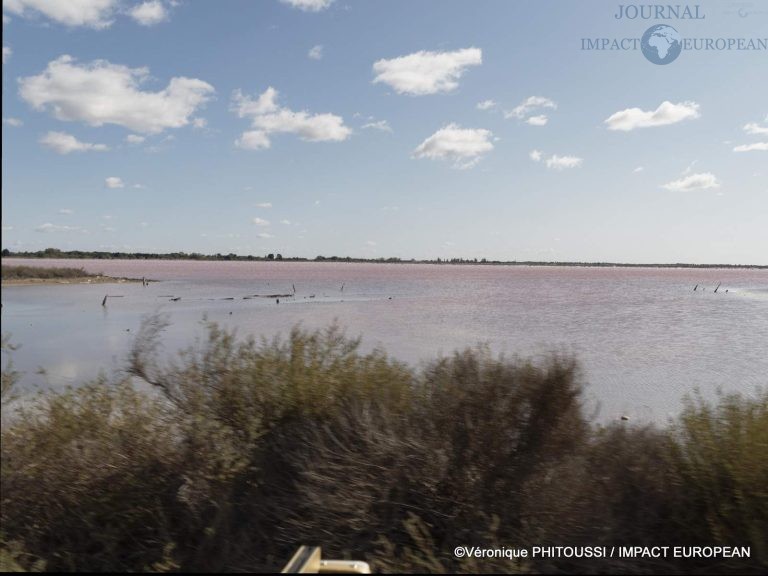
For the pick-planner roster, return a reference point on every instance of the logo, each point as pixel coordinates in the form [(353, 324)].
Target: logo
[(661, 44)]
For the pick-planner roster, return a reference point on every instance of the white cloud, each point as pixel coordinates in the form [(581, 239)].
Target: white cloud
[(6, 53), (755, 128), (529, 105), (15, 122), (638, 169), (540, 120), (199, 123), (90, 13), (463, 146), (309, 5), (66, 211), (556, 162), (64, 143), (700, 181), (8, 228), (5, 19), (149, 13), (247, 107), (667, 113), (751, 147), (264, 235), (370, 243), (486, 105), (382, 125), (48, 227), (316, 52), (260, 222), (426, 72), (253, 140), (264, 205), (134, 139), (286, 222), (103, 93), (114, 182), (268, 118)]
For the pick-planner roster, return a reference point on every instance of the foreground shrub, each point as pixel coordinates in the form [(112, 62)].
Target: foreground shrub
[(242, 450)]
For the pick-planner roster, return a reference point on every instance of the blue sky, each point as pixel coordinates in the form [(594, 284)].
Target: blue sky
[(409, 129)]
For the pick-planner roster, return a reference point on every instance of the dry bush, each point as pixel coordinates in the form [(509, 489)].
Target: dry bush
[(243, 450)]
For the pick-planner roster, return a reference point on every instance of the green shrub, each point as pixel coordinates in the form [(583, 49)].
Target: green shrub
[(42, 273), (240, 451)]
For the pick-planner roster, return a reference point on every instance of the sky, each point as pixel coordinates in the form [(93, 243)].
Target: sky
[(382, 129)]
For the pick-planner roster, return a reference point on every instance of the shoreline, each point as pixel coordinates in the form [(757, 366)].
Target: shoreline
[(337, 260), (84, 280)]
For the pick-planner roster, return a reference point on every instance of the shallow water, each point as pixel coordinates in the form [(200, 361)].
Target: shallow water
[(643, 336)]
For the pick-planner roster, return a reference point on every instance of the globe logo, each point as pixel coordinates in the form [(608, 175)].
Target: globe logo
[(661, 44)]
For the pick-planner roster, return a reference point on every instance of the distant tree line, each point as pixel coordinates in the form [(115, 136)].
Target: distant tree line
[(103, 255)]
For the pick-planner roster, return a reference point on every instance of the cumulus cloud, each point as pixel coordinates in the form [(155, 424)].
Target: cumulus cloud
[(48, 227), (114, 182), (6, 53), (756, 129), (667, 113), (268, 118), (15, 122), (462, 146), (90, 13), (556, 162), (540, 120), (486, 105), (382, 125), (64, 143), (530, 105), (763, 146), (149, 13), (260, 222), (700, 181), (246, 107), (253, 140), (425, 72), (103, 93), (199, 123), (309, 5), (134, 139), (316, 52)]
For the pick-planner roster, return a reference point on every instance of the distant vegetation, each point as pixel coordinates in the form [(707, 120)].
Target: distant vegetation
[(246, 450), (38, 272), (55, 253)]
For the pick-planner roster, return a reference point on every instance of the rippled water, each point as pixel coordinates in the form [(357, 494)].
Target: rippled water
[(643, 336)]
